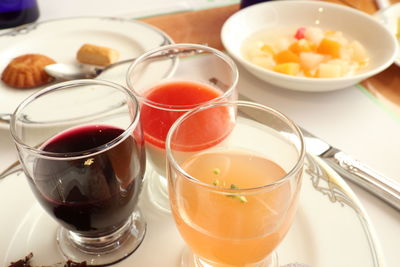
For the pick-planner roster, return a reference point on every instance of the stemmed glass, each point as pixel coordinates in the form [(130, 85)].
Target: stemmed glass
[(234, 173), (168, 82), (82, 149)]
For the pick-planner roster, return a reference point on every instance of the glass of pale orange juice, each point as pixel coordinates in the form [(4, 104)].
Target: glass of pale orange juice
[(234, 172)]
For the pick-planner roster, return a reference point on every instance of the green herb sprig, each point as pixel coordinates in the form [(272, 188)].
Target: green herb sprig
[(242, 199), (217, 182)]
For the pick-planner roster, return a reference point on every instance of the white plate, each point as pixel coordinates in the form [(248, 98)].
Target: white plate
[(389, 17), (330, 229), (61, 39)]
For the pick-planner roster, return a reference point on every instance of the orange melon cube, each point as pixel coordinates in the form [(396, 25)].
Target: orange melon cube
[(286, 56), (360, 54), (329, 71), (288, 68), (329, 47)]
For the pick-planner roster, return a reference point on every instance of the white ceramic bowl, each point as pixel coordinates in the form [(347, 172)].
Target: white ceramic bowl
[(389, 17), (379, 42)]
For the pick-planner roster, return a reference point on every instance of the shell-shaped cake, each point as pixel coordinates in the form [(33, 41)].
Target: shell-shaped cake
[(27, 71)]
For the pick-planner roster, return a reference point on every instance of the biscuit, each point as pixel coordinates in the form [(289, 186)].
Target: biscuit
[(97, 55), (27, 71)]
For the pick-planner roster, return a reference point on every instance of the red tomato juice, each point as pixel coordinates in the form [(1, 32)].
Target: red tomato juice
[(158, 118)]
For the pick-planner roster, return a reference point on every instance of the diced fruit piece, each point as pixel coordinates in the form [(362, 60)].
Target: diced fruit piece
[(344, 66), (360, 54), (329, 71), (300, 33), (314, 35), (310, 60), (267, 49), (264, 62), (288, 68), (282, 43), (301, 46), (255, 50), (286, 56), (329, 47), (338, 37), (346, 54)]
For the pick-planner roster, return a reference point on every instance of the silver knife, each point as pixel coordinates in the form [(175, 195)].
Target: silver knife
[(351, 169)]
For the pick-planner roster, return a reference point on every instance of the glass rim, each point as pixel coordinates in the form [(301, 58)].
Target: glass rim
[(79, 154), (287, 120), (229, 61)]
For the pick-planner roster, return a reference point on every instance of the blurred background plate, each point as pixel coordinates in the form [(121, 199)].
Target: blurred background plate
[(390, 17)]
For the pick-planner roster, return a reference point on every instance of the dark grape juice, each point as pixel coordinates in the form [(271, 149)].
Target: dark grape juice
[(96, 194)]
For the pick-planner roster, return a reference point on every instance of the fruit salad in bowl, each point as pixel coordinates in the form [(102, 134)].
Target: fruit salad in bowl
[(306, 52), (308, 45)]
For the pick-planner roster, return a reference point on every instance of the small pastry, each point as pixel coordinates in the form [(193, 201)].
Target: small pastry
[(27, 71), (97, 55)]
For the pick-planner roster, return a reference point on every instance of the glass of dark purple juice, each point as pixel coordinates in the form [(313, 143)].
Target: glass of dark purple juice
[(81, 146)]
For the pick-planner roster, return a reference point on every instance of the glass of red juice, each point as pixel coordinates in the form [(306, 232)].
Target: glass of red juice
[(169, 81), (81, 146)]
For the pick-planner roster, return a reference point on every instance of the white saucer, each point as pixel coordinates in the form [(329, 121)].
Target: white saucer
[(331, 228)]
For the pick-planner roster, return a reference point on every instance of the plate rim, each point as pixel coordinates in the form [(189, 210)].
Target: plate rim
[(26, 28), (339, 183)]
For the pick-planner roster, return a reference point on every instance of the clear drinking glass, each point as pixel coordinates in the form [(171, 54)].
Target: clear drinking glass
[(234, 172), (82, 149), (168, 82)]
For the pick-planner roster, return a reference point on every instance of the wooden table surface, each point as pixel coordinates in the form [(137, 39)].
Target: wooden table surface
[(204, 27)]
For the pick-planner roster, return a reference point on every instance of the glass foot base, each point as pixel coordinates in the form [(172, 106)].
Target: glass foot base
[(157, 190), (189, 259), (103, 250)]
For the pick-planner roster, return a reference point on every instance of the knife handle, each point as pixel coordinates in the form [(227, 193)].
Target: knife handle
[(376, 183)]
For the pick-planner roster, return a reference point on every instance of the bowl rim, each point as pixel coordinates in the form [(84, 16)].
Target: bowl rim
[(351, 11)]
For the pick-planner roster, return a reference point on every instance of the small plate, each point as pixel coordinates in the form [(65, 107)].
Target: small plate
[(390, 16), (331, 227), (61, 39)]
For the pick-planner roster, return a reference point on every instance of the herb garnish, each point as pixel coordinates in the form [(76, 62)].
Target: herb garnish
[(216, 171), (242, 199), (217, 182)]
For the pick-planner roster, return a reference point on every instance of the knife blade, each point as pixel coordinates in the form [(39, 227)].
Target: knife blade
[(352, 170)]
